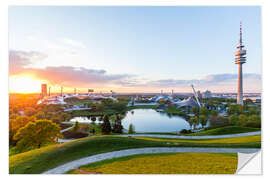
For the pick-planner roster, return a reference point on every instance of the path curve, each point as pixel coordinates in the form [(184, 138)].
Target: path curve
[(115, 154), (179, 137), (194, 137), (65, 140), (64, 130)]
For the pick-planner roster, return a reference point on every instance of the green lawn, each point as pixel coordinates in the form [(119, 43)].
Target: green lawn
[(225, 130), (39, 160), (174, 111), (164, 163)]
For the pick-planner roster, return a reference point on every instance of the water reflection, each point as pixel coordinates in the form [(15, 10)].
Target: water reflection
[(148, 120)]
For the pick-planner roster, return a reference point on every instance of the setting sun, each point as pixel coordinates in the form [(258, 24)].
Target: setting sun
[(24, 84)]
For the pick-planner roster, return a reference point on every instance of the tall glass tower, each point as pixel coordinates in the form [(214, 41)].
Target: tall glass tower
[(240, 59)]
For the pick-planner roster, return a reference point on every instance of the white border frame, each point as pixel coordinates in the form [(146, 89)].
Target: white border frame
[(4, 70)]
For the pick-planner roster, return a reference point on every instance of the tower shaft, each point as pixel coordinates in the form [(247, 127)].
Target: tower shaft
[(240, 85)]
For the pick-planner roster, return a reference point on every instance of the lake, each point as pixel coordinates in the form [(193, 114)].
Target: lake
[(146, 120), (149, 120)]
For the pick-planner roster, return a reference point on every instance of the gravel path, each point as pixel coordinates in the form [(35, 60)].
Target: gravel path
[(64, 130), (115, 154), (194, 137), (176, 137)]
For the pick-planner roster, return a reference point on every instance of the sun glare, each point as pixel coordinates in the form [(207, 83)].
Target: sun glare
[(24, 84)]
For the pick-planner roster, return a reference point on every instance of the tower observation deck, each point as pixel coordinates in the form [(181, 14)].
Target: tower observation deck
[(240, 59)]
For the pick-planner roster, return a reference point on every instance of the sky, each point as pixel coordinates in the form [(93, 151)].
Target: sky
[(132, 49)]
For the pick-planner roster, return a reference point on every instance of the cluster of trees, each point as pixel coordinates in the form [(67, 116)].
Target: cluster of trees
[(238, 115), (107, 104), (203, 115), (107, 128), (32, 125), (246, 117)]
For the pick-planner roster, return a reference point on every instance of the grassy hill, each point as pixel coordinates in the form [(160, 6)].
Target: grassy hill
[(40, 160)]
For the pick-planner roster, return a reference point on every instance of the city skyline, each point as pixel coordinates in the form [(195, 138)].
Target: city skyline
[(132, 49)]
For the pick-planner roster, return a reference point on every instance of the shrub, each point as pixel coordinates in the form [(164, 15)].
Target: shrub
[(71, 134), (185, 131)]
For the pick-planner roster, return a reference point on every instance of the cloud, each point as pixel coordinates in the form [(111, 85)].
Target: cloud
[(63, 75), (20, 59), (81, 77), (72, 76), (209, 80)]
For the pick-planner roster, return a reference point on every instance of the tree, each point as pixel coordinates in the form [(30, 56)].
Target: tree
[(242, 120), (40, 115), (100, 107), (204, 111), (214, 113), (106, 125), (66, 116), (254, 121), (190, 123), (19, 122), (29, 111), (118, 128), (37, 134), (203, 120), (193, 120), (233, 119), (76, 127), (131, 129), (57, 119), (235, 109), (195, 110)]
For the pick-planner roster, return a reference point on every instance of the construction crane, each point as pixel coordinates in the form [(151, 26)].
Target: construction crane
[(196, 96)]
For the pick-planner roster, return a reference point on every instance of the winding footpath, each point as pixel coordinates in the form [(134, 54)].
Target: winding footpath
[(177, 137), (115, 154), (194, 137), (65, 140)]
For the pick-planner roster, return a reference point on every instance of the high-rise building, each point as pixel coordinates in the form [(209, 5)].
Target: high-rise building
[(207, 94), (43, 90), (240, 59)]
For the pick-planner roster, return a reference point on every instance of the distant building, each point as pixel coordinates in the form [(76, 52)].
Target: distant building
[(43, 90), (207, 94)]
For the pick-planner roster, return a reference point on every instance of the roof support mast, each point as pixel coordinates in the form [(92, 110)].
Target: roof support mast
[(196, 96)]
